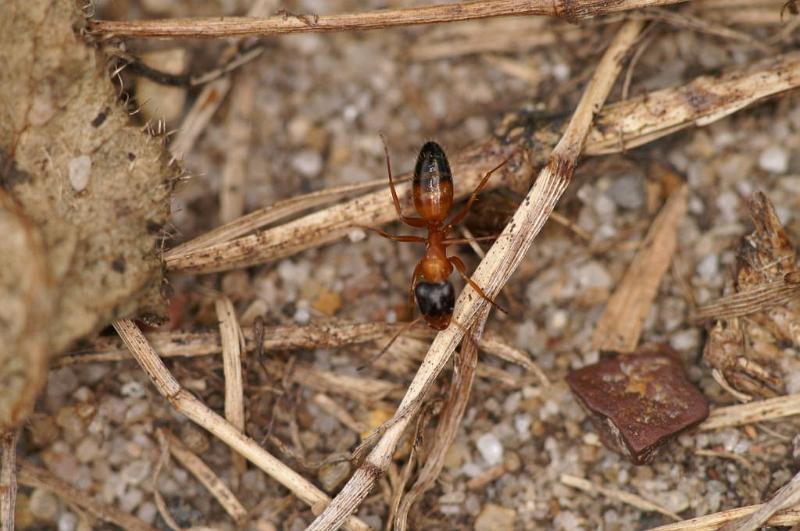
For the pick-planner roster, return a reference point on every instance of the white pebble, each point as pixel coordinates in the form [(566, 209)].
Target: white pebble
[(302, 315), (491, 449), (708, 267), (132, 389), (522, 423), (67, 522), (147, 512), (774, 159), (80, 168), (593, 275), (307, 162)]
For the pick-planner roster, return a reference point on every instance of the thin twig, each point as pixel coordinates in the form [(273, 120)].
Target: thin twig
[(788, 496), (8, 479), (753, 300), (621, 323), (195, 410), (216, 27), (619, 126), (492, 273), (712, 522), (35, 477), (232, 346), (207, 477), (239, 130), (769, 409), (617, 494)]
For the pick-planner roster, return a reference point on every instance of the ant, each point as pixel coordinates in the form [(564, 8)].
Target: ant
[(433, 199)]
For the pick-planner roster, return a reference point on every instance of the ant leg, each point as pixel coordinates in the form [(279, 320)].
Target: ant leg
[(454, 241), (462, 270), (414, 222), (376, 357), (395, 237), (411, 297), (478, 189)]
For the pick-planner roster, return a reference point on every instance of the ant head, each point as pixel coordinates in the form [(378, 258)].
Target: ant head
[(436, 301)]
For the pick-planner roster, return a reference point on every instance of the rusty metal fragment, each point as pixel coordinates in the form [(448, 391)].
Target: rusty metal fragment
[(639, 402)]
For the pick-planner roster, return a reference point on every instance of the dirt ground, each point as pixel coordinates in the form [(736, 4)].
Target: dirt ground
[(315, 105)]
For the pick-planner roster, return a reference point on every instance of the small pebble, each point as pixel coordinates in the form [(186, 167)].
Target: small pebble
[(44, 505), (627, 192), (774, 159), (307, 162), (79, 170), (490, 448), (495, 518), (147, 512), (332, 475), (67, 522), (708, 267)]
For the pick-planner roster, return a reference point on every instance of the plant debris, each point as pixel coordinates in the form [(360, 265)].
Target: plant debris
[(91, 194), (744, 350), (639, 402)]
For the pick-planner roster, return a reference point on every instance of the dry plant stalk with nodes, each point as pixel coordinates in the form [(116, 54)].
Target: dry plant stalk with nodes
[(593, 129)]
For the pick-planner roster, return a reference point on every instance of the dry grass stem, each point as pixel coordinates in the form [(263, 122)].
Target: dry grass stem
[(754, 300), (712, 522), (207, 477), (616, 494), (769, 409), (510, 35), (8, 479), (189, 344), (619, 126), (238, 135), (185, 403), (38, 478), (217, 27), (446, 425), (267, 215), (211, 97), (621, 323), (704, 100), (232, 346), (788, 496), (332, 408), (495, 346), (492, 273)]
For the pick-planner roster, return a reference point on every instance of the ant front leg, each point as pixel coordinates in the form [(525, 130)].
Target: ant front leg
[(458, 218), (462, 270), (414, 222), (396, 237)]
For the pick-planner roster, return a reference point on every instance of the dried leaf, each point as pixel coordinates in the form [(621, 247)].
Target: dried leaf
[(94, 187)]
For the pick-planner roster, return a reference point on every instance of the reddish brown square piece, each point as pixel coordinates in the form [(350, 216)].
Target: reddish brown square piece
[(639, 402)]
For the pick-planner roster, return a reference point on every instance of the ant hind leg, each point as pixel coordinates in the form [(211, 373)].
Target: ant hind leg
[(462, 270), (414, 222)]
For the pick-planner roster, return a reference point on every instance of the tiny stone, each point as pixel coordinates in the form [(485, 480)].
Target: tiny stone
[(131, 500), (708, 267), (87, 450), (495, 518), (332, 475), (522, 423), (593, 275), (80, 168), (147, 512), (132, 390), (67, 522), (774, 159), (491, 449), (136, 472), (627, 192), (44, 505), (307, 162)]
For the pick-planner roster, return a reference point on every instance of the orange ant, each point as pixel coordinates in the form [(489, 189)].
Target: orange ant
[(433, 199)]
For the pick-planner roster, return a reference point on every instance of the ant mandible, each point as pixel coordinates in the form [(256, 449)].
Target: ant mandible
[(433, 199)]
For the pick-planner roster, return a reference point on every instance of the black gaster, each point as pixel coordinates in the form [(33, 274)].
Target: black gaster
[(432, 168), (435, 298)]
